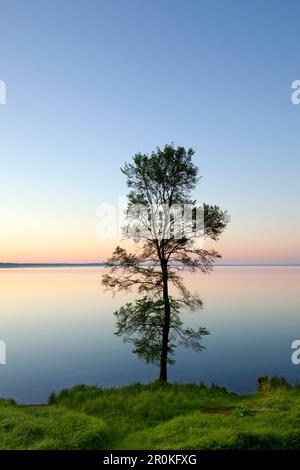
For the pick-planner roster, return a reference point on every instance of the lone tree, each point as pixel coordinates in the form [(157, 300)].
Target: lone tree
[(167, 227)]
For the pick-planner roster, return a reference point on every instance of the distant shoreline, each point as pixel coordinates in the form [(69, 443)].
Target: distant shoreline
[(50, 265), (101, 265)]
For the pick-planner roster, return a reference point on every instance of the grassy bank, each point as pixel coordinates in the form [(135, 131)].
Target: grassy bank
[(156, 416)]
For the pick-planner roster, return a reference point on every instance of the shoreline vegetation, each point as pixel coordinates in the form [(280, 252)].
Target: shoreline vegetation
[(157, 416)]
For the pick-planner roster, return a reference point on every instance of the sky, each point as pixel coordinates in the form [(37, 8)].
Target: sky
[(91, 83)]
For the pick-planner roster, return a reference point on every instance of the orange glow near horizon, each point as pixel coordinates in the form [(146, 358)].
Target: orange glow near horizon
[(39, 240)]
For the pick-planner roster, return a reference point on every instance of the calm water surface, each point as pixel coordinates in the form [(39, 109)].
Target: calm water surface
[(58, 327)]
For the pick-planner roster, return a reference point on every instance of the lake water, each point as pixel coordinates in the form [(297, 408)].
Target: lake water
[(58, 328)]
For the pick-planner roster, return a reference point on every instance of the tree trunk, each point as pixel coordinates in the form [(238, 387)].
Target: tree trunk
[(163, 376)]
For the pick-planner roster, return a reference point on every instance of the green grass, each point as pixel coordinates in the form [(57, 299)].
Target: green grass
[(156, 416)]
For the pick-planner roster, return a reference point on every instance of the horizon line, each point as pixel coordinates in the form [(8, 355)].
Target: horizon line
[(4, 265)]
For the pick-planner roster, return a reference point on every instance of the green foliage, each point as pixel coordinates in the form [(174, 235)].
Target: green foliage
[(52, 399), (165, 174), (49, 428), (155, 416), (269, 384), (142, 322), (242, 411)]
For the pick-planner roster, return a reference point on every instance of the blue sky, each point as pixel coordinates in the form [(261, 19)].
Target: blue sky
[(90, 83)]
